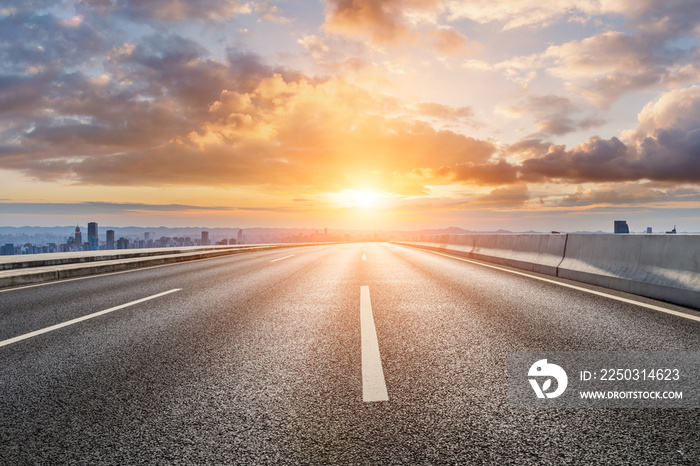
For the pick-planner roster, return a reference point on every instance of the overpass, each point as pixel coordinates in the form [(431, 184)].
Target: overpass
[(369, 353)]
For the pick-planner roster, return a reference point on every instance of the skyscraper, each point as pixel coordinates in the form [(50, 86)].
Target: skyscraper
[(621, 226), (93, 239), (110, 239), (205, 238), (240, 236), (78, 239)]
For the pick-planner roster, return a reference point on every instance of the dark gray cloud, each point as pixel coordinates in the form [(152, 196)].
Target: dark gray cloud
[(597, 160), (672, 155)]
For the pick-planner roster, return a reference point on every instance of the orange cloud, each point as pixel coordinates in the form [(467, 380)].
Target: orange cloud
[(259, 128), (395, 22)]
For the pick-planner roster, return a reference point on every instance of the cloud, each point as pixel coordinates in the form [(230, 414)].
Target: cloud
[(163, 113), (531, 13), (111, 208), (679, 108), (622, 194), (159, 110), (445, 114), (170, 10), (665, 147), (489, 173), (527, 148), (510, 196), (82, 208), (596, 160), (651, 15), (611, 64), (316, 46), (396, 23), (387, 20), (444, 111), (653, 48), (270, 13), (48, 43), (552, 114), (450, 42)]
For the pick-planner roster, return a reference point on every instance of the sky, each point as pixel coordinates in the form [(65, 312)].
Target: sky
[(355, 114)]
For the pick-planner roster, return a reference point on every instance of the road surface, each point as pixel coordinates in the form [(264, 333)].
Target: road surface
[(337, 354)]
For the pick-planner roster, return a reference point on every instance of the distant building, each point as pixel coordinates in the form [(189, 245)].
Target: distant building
[(8, 250), (110, 239), (78, 238), (122, 243), (93, 239), (648, 230), (621, 227), (205, 238), (240, 236), (672, 232)]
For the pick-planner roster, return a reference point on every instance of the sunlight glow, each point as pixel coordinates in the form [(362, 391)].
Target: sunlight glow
[(350, 198)]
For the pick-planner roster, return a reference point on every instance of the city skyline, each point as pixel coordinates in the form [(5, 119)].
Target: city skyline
[(94, 242), (392, 115), (36, 240), (147, 237)]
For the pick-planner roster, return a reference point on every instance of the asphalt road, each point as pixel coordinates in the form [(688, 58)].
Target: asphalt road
[(258, 359)]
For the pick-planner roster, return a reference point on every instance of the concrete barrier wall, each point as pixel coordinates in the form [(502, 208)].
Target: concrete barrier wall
[(665, 267), (462, 244), (539, 253), (108, 261), (62, 258)]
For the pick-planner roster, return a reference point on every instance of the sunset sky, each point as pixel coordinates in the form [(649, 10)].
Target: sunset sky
[(363, 114)]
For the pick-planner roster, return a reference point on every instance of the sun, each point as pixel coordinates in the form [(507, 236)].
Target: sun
[(351, 198)]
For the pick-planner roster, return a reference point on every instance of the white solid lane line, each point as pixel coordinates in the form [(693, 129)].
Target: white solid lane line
[(566, 285), (285, 257), (373, 385), (364, 257), (80, 319)]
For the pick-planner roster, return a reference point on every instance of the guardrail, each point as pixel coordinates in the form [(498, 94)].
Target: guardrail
[(23, 270), (665, 267)]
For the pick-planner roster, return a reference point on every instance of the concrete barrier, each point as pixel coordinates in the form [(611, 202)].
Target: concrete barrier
[(105, 263), (665, 267), (61, 258), (538, 253)]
